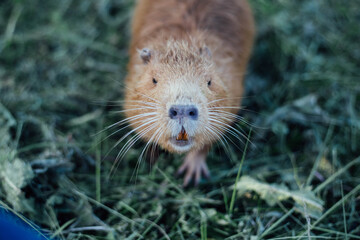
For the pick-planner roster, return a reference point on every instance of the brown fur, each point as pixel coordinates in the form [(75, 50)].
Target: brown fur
[(178, 34)]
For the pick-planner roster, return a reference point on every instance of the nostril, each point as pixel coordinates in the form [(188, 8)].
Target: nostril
[(183, 111), (173, 113), (193, 113)]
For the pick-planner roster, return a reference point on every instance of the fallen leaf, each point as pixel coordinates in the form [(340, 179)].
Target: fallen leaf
[(306, 202)]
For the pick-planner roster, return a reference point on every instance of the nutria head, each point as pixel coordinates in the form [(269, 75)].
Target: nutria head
[(174, 92)]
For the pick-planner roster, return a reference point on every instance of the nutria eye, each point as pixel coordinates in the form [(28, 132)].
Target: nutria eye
[(154, 81), (209, 83)]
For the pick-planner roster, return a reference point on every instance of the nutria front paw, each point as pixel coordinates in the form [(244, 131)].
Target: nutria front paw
[(195, 166)]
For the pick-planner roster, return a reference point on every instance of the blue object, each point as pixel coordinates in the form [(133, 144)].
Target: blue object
[(13, 228)]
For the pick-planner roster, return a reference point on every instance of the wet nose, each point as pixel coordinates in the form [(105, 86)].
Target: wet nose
[(183, 111)]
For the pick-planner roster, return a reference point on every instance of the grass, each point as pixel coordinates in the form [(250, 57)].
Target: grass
[(62, 65)]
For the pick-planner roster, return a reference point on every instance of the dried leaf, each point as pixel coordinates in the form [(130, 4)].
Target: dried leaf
[(306, 202), (15, 174)]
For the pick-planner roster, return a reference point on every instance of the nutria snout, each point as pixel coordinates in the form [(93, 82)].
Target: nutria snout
[(181, 112)]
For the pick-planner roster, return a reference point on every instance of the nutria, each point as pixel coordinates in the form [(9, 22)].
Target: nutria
[(185, 76)]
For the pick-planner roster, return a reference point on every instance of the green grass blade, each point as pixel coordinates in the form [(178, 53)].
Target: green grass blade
[(233, 197)]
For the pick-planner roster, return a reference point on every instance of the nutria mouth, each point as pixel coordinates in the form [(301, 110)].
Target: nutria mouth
[(182, 139)]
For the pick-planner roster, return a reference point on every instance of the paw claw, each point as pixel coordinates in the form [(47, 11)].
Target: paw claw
[(187, 179), (179, 172), (206, 172), (194, 167)]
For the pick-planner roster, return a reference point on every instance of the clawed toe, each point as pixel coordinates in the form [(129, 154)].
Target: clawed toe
[(194, 169)]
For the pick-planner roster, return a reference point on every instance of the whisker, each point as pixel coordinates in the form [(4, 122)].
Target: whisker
[(133, 130), (142, 105), (129, 125), (121, 122), (128, 145), (231, 117), (137, 167), (225, 128), (134, 90), (234, 129), (138, 101), (144, 95), (132, 109), (238, 118), (228, 107), (221, 138), (120, 103), (149, 141), (222, 99), (212, 137), (226, 136), (142, 133), (136, 121), (242, 108), (219, 134), (154, 144)]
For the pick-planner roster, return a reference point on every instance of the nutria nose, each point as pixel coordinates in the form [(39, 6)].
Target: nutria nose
[(183, 111)]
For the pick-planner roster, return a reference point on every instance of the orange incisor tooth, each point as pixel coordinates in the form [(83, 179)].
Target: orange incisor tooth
[(185, 136), (182, 135)]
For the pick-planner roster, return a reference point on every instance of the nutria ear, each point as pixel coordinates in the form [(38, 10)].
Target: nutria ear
[(205, 51), (145, 55)]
